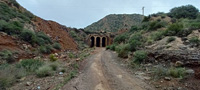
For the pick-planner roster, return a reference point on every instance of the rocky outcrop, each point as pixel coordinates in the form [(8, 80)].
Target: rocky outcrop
[(175, 55)]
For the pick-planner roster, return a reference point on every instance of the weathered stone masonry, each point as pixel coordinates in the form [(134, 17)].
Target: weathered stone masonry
[(99, 39)]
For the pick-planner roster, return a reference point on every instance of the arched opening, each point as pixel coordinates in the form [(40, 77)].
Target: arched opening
[(92, 41), (103, 42), (98, 42)]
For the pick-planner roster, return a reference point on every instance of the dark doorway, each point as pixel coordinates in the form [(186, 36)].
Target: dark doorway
[(98, 42), (92, 42), (103, 42)]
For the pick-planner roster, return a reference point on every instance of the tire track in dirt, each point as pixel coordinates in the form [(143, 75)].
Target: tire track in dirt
[(101, 72)]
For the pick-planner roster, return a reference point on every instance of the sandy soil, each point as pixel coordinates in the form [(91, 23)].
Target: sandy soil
[(102, 72)]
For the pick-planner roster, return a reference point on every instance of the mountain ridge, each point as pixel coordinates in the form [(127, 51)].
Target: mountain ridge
[(115, 22)]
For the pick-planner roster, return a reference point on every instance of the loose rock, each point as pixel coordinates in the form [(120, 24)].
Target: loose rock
[(167, 78), (28, 83)]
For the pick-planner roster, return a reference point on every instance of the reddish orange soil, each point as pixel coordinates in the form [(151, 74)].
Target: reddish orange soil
[(56, 32), (13, 44), (8, 42)]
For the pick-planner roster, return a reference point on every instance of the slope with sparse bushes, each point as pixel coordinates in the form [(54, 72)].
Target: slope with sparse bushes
[(178, 31), (28, 35)]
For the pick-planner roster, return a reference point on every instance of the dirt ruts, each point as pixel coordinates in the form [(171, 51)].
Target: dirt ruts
[(102, 72)]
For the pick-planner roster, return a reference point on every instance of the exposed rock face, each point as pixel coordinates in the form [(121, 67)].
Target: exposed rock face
[(57, 32)]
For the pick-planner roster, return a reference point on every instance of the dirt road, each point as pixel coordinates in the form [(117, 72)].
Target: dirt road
[(102, 72)]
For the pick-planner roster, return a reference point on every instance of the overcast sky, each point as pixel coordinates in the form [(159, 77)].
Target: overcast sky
[(81, 13)]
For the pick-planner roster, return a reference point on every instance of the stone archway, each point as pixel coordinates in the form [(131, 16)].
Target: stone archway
[(92, 41), (104, 42), (98, 42)]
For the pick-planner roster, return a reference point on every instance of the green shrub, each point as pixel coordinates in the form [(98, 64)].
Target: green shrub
[(44, 71), (7, 55), (158, 35), (194, 41), (71, 75), (7, 78), (121, 38), (135, 41), (53, 58), (193, 24), (160, 71), (71, 55), (170, 39), (54, 66), (13, 28), (43, 49), (31, 65), (107, 47), (112, 47), (43, 39), (123, 51), (46, 49), (146, 19), (163, 16), (134, 45), (134, 28), (174, 29), (6, 81), (177, 72), (173, 20), (139, 56), (63, 70), (187, 11), (136, 36), (9, 74), (184, 32), (75, 66), (28, 36), (3, 23), (152, 25), (158, 20), (7, 13), (144, 25), (56, 46), (73, 34), (157, 24)]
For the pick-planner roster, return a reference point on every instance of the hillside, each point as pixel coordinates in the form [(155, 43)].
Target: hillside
[(16, 21), (164, 48), (57, 32), (115, 22)]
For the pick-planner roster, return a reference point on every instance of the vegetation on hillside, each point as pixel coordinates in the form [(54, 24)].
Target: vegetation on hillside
[(12, 22), (178, 27), (180, 22), (115, 22), (8, 13), (79, 36)]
